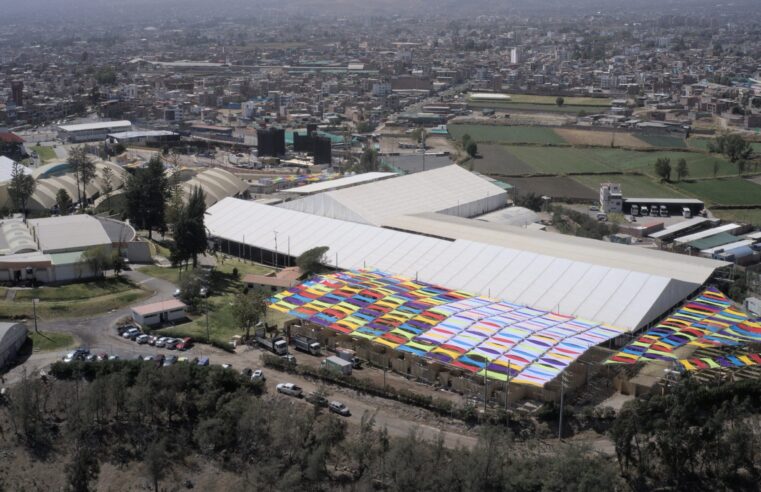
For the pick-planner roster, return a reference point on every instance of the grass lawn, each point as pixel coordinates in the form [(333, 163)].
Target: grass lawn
[(45, 153), (507, 134), (46, 341), (729, 191), (73, 308), (172, 274), (224, 288), (83, 290), (633, 186)]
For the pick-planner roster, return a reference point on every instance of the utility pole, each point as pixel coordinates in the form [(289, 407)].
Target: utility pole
[(507, 385), (34, 309), (486, 375), (275, 233), (208, 333), (562, 391)]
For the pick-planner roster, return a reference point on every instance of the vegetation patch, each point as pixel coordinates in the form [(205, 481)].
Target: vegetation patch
[(44, 153), (77, 291), (730, 191), (666, 141), (46, 341)]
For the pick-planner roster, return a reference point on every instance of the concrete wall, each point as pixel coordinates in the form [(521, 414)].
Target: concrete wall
[(139, 252), (155, 319)]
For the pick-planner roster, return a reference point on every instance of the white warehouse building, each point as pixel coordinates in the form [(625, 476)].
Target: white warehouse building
[(91, 132), (608, 283), (450, 190)]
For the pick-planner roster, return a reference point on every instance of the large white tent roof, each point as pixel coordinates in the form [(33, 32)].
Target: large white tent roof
[(450, 190), (605, 287), (339, 183)]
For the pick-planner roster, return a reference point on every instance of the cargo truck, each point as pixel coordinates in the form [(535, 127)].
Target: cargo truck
[(306, 344), (276, 345), (348, 355), (337, 364)]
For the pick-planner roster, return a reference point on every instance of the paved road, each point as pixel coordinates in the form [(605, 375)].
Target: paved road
[(99, 334)]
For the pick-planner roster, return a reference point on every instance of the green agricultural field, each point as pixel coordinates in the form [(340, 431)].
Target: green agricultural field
[(729, 191), (632, 185), (599, 159), (507, 134), (746, 216), (664, 141), (702, 144), (544, 108)]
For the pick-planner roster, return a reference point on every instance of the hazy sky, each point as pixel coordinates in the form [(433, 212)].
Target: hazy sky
[(113, 10)]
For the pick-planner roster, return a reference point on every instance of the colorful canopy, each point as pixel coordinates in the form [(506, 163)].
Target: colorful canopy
[(498, 340), (708, 320), (725, 361)]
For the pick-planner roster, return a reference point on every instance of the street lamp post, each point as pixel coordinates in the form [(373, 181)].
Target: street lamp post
[(275, 233)]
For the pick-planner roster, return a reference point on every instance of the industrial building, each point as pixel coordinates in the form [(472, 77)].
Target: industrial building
[(609, 283), (450, 190), (50, 250), (152, 138), (92, 132), (337, 184), (270, 142), (12, 337)]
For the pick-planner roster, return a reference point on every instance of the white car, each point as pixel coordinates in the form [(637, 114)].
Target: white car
[(339, 408), (290, 389), (161, 342), (142, 339), (258, 375), (130, 333)]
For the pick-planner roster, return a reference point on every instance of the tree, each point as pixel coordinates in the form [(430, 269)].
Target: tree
[(84, 171), (466, 139), (156, 462), (190, 289), (369, 161), (145, 195), (312, 261), (107, 175), (63, 202), (82, 469), (681, 169), (663, 168), (472, 149), (97, 260), (21, 187), (560, 101), (733, 146), (248, 309), (189, 230)]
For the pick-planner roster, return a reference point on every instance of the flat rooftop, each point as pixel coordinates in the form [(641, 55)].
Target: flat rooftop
[(71, 232), (158, 307), (101, 125), (339, 183)]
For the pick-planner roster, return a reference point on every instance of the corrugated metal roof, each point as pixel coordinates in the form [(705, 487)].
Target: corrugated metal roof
[(451, 189), (600, 282)]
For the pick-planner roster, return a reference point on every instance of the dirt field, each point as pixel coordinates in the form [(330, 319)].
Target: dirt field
[(496, 159), (561, 187), (603, 139)]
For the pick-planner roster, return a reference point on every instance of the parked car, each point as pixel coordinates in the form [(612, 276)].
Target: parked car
[(185, 343), (171, 344), (161, 342), (131, 333), (177, 292), (290, 389), (143, 339), (113, 357), (258, 375), (158, 359), (182, 359), (227, 366), (91, 358), (339, 408), (102, 356), (203, 361), (317, 399), (289, 359), (170, 360), (152, 339)]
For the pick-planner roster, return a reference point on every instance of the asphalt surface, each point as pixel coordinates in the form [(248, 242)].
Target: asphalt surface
[(99, 334)]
